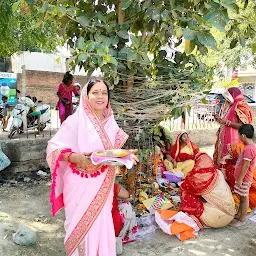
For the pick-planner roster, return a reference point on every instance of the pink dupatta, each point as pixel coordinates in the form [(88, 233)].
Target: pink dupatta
[(87, 200), (238, 112)]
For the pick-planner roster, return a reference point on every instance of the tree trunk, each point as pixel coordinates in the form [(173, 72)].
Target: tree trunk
[(121, 13), (130, 83)]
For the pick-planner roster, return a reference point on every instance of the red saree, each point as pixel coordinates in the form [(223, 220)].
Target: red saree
[(201, 180), (177, 155)]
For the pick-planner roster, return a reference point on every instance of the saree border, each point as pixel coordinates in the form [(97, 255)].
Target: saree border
[(57, 203), (89, 216), (94, 209)]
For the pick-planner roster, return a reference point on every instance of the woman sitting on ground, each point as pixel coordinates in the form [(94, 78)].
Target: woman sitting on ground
[(124, 218), (206, 196), (181, 155)]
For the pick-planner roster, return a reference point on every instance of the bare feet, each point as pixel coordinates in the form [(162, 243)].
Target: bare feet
[(237, 217), (237, 223)]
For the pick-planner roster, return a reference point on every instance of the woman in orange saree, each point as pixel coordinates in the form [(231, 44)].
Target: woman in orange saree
[(85, 191), (235, 112)]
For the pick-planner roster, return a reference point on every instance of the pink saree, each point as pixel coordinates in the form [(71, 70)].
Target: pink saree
[(238, 112), (87, 199)]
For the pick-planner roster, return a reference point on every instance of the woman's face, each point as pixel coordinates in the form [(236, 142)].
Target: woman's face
[(184, 138), (70, 81), (98, 96)]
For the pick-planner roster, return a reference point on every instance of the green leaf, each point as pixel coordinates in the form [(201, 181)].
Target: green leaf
[(188, 34), (126, 4), (123, 34), (15, 6), (165, 15), (204, 101), (208, 6), (176, 112), (156, 14), (84, 21), (113, 61), (135, 41), (206, 39), (253, 46), (131, 55), (38, 23), (179, 32), (146, 4), (242, 41), (83, 57), (107, 41), (62, 10), (80, 43), (189, 46), (102, 18), (115, 40), (233, 43), (30, 2), (44, 7)]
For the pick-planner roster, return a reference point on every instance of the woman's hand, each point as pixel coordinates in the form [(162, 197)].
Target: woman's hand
[(174, 164), (219, 119), (134, 156), (82, 160)]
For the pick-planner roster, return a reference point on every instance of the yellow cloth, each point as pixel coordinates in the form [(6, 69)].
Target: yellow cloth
[(185, 166)]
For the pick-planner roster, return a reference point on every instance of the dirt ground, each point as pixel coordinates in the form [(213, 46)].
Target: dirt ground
[(28, 203)]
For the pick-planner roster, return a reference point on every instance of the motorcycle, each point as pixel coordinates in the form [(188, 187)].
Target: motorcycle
[(75, 103), (21, 115)]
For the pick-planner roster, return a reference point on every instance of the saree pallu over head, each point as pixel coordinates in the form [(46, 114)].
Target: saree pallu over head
[(176, 148), (83, 197), (238, 112)]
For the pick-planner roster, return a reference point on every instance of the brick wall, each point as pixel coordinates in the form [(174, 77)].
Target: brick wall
[(43, 84)]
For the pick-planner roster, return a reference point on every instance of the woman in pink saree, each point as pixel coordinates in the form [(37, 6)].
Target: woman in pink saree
[(85, 190), (235, 112), (65, 90)]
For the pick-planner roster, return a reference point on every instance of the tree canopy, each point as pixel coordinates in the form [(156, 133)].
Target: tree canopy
[(129, 39), (20, 31)]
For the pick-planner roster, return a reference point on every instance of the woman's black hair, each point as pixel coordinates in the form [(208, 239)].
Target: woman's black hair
[(67, 77), (93, 81)]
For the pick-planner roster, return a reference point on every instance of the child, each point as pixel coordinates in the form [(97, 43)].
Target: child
[(245, 166)]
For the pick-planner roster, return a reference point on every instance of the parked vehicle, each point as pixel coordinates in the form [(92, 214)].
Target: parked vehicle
[(21, 115), (214, 102), (75, 102)]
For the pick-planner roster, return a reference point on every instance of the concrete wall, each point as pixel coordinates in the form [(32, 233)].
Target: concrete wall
[(26, 155)]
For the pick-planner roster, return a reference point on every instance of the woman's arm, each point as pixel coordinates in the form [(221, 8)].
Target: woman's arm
[(223, 121), (82, 160), (123, 193)]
